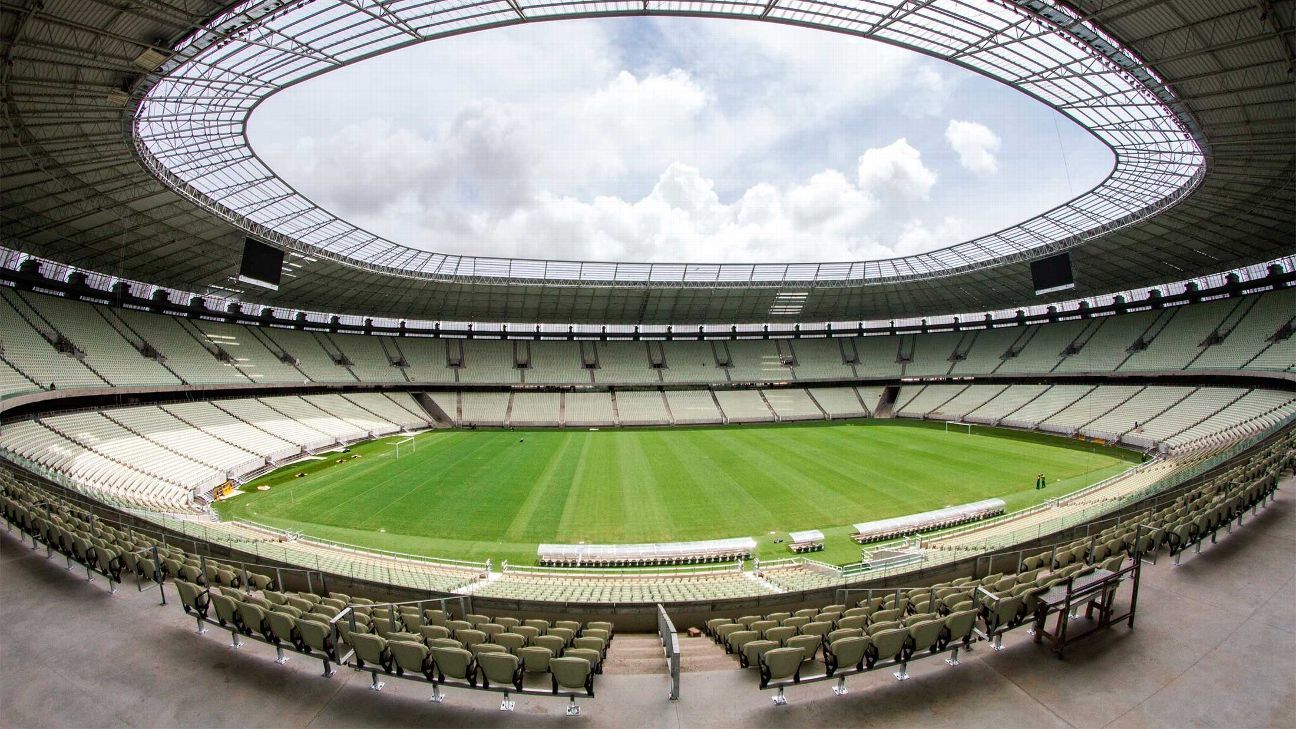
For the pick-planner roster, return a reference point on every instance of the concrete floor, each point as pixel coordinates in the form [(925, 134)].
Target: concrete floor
[(1215, 645)]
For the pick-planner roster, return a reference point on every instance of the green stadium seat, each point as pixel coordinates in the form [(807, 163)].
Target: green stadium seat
[(411, 657), (779, 633), (593, 656), (455, 663), (555, 644), (752, 651), (844, 652), (535, 659), (511, 641), (808, 643)]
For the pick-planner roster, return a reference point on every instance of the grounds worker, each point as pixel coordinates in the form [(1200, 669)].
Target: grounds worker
[(1039, 482)]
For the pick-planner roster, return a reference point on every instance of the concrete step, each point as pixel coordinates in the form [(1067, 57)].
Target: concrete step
[(635, 654), (702, 654), (614, 665)]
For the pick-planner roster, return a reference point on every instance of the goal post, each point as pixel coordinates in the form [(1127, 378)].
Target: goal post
[(406, 444), (967, 427)]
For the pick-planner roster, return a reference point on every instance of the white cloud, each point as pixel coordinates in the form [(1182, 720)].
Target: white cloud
[(896, 169), (917, 236), (975, 144), (829, 213), (693, 140)]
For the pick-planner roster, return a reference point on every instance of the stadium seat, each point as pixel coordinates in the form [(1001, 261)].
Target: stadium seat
[(455, 663), (553, 643), (740, 638), (778, 665), (535, 659), (752, 651), (470, 637), (512, 642), (572, 674), (505, 670), (887, 644), (807, 643), (593, 656), (371, 649), (411, 657), (429, 632), (847, 651), (193, 598)]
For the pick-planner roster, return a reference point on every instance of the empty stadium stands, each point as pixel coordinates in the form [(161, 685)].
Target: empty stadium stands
[(107, 346)]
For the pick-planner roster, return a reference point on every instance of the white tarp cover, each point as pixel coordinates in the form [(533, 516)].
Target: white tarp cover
[(582, 552), (811, 535), (917, 522)]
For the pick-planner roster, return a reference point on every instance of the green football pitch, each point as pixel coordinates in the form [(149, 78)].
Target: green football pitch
[(497, 494)]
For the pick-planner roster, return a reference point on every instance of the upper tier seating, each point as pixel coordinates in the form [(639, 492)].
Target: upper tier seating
[(626, 363), (691, 362), (370, 357), (426, 357), (1106, 341), (985, 354), (877, 356), (314, 356), (1178, 335), (93, 330), (556, 363), (1222, 334), (183, 349), (1247, 341), (1040, 347), (488, 361), (251, 355), (932, 352), (757, 360), (31, 353), (819, 359), (13, 382)]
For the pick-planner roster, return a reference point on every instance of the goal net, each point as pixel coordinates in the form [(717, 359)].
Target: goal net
[(405, 447), (956, 425)]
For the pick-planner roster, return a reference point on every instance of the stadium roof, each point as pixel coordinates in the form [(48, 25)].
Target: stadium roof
[(77, 187)]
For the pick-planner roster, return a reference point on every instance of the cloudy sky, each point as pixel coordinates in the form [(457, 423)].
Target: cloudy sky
[(658, 139)]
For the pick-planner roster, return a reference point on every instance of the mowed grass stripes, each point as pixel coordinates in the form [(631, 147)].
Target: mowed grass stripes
[(497, 494)]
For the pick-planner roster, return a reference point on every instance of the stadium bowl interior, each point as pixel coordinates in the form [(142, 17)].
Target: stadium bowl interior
[(643, 493)]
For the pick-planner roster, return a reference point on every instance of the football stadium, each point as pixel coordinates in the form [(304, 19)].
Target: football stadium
[(385, 363)]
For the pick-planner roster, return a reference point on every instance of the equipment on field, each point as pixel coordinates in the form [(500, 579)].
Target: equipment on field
[(958, 424)]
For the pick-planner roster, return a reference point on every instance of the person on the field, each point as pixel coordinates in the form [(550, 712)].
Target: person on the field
[(1039, 482)]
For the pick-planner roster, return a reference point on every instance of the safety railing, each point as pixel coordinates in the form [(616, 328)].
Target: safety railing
[(670, 645)]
